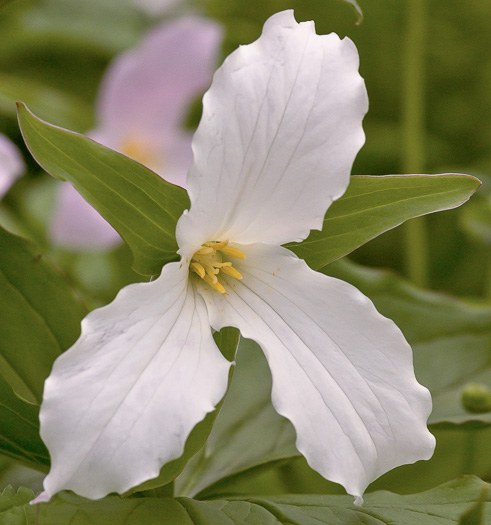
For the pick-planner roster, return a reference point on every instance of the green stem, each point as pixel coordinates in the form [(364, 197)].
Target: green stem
[(413, 160)]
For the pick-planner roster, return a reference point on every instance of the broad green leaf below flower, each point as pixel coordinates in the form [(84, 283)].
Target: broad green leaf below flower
[(375, 204), (40, 315), (15, 508), (443, 504), (141, 206)]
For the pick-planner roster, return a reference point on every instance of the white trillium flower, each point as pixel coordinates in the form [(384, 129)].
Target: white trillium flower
[(11, 164), (280, 129), (141, 107)]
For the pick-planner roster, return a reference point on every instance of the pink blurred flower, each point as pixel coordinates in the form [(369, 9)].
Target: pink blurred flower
[(11, 164), (143, 100)]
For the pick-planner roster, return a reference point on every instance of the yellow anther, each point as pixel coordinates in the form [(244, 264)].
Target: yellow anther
[(217, 245), (196, 267), (233, 252), (223, 265), (217, 286), (232, 272), (204, 250)]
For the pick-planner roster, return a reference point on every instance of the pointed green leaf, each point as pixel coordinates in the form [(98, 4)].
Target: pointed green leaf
[(40, 315), (140, 205), (374, 204), (19, 430), (442, 505), (451, 339)]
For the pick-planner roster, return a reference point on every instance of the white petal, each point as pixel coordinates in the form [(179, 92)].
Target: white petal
[(122, 401), (76, 225), (146, 92), (11, 164), (342, 373), (280, 129)]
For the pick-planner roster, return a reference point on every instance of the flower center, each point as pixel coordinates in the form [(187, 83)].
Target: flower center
[(207, 262)]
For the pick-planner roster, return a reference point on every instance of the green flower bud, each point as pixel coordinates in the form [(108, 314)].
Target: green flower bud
[(476, 398)]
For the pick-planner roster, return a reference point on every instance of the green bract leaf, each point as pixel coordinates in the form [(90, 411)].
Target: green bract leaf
[(15, 508), (451, 340), (444, 504), (40, 316), (19, 430), (375, 204), (140, 205)]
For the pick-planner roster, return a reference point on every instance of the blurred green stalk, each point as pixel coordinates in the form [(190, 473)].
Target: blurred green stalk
[(413, 126)]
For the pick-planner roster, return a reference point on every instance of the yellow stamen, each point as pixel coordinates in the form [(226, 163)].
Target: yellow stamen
[(217, 286), (233, 252), (196, 267), (232, 272), (207, 263), (211, 275), (204, 250), (218, 245)]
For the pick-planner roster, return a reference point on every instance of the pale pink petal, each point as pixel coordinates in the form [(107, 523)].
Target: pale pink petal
[(76, 225), (146, 92), (11, 164)]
